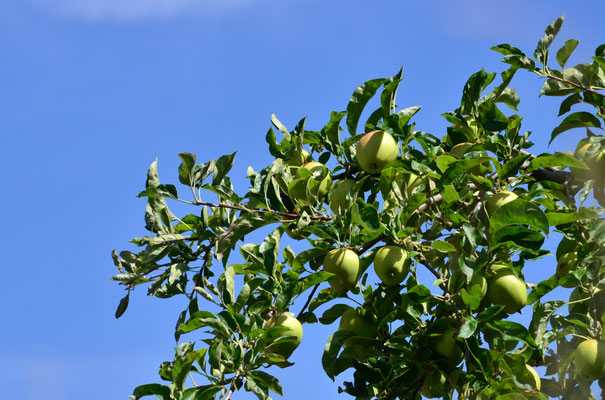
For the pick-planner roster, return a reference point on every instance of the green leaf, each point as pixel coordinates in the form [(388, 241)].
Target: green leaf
[(122, 306), (333, 346), (469, 325), (562, 160), (163, 392), (541, 52), (541, 315), (581, 119), (281, 127), (187, 168), (169, 191), (472, 90), (333, 313), (271, 381), (518, 212), (443, 247), (244, 224), (389, 93), (223, 166), (358, 101), (555, 218), (569, 102), (565, 51)]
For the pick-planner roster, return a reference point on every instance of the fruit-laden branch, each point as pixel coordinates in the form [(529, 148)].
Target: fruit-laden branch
[(253, 210)]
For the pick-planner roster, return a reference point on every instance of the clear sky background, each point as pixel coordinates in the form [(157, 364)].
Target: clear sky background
[(92, 91)]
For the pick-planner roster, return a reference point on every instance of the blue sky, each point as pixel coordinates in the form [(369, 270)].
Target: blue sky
[(92, 91)]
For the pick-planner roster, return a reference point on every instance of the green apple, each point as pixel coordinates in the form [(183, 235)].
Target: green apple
[(345, 264), (296, 158), (434, 384), (318, 172), (339, 190), (567, 263), (497, 200), (294, 328), (531, 377), (505, 289), (352, 320), (391, 264), (446, 345), (375, 150), (590, 359)]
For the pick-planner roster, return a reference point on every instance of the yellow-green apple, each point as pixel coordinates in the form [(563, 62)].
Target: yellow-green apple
[(345, 264), (505, 289), (375, 150), (497, 200), (339, 190), (294, 328), (590, 359), (318, 172), (391, 264), (446, 345), (296, 158), (352, 320)]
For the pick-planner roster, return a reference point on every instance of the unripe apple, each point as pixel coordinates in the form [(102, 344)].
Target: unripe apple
[(296, 158), (531, 377), (497, 200), (338, 201), (434, 384), (446, 345), (375, 150), (505, 289), (391, 264), (319, 172), (352, 320), (294, 328), (590, 359), (567, 263), (345, 264)]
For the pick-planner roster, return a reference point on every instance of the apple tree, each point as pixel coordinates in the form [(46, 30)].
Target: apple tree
[(473, 206)]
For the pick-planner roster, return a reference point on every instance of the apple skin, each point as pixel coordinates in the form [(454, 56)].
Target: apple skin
[(338, 201), (285, 320), (567, 263), (505, 289), (445, 344), (590, 359), (375, 150), (595, 161), (300, 190), (433, 386), (497, 200), (391, 264), (345, 264), (352, 320), (296, 158)]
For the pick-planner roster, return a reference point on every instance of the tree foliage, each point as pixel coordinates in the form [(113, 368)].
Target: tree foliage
[(473, 207)]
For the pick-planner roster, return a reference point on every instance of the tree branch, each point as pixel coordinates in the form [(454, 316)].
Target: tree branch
[(253, 210), (308, 301), (565, 81)]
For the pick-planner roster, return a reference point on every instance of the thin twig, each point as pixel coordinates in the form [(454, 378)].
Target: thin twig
[(253, 210), (574, 85), (308, 301)]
